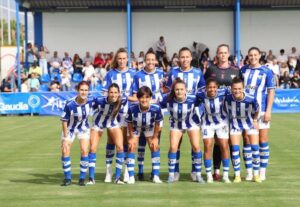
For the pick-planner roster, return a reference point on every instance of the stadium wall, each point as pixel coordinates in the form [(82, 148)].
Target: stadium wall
[(106, 31)]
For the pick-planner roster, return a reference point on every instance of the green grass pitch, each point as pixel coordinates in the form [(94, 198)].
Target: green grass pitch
[(30, 172)]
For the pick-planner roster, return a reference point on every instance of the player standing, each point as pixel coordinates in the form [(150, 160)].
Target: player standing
[(75, 124), (259, 82)]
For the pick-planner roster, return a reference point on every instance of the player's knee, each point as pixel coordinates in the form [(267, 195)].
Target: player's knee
[(119, 148), (84, 151), (65, 148), (153, 147), (132, 146)]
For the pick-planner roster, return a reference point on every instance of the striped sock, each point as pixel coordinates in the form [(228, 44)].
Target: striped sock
[(155, 162), (197, 162), (141, 154), (247, 154), (130, 163), (207, 164), (177, 161), (92, 165), (255, 158), (172, 163), (236, 161), (264, 154), (66, 165), (119, 164), (110, 153), (226, 164), (84, 164)]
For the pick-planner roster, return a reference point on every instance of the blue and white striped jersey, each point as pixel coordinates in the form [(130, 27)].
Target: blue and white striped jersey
[(182, 114), (152, 80), (193, 79), (76, 115), (143, 121), (214, 113), (240, 113), (257, 82), (124, 79), (102, 116)]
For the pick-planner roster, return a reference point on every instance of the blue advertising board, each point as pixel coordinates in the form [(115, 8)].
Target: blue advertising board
[(48, 103)]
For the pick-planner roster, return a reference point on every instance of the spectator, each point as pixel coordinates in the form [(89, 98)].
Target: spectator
[(284, 68), (88, 71), (294, 53), (67, 63), (54, 86), (98, 61), (87, 58), (292, 64), (65, 79), (35, 69), (272, 64), (295, 80), (285, 81), (30, 55), (77, 64), (175, 61), (204, 55), (270, 55), (282, 58), (55, 61), (34, 83), (24, 86), (161, 48), (7, 85), (42, 59)]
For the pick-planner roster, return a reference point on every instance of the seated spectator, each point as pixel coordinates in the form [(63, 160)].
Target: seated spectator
[(295, 80), (98, 61), (282, 58), (175, 61), (7, 85), (88, 71), (284, 68), (77, 64), (55, 61), (35, 69), (34, 83), (285, 81), (65, 79), (67, 63), (24, 86), (54, 86), (87, 58)]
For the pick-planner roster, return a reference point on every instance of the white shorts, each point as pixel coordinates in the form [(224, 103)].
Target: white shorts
[(194, 127), (261, 123), (101, 129), (239, 132), (147, 133), (123, 123), (80, 135), (222, 132)]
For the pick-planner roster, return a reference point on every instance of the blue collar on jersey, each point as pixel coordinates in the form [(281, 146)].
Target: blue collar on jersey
[(123, 71), (239, 100), (144, 111), (180, 101), (185, 71), (150, 72)]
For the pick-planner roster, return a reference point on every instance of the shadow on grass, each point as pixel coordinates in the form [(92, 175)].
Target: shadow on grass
[(56, 178)]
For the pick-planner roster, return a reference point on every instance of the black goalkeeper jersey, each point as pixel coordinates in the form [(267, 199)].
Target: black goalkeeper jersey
[(223, 76)]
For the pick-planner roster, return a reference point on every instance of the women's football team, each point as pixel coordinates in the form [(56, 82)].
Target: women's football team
[(131, 110)]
